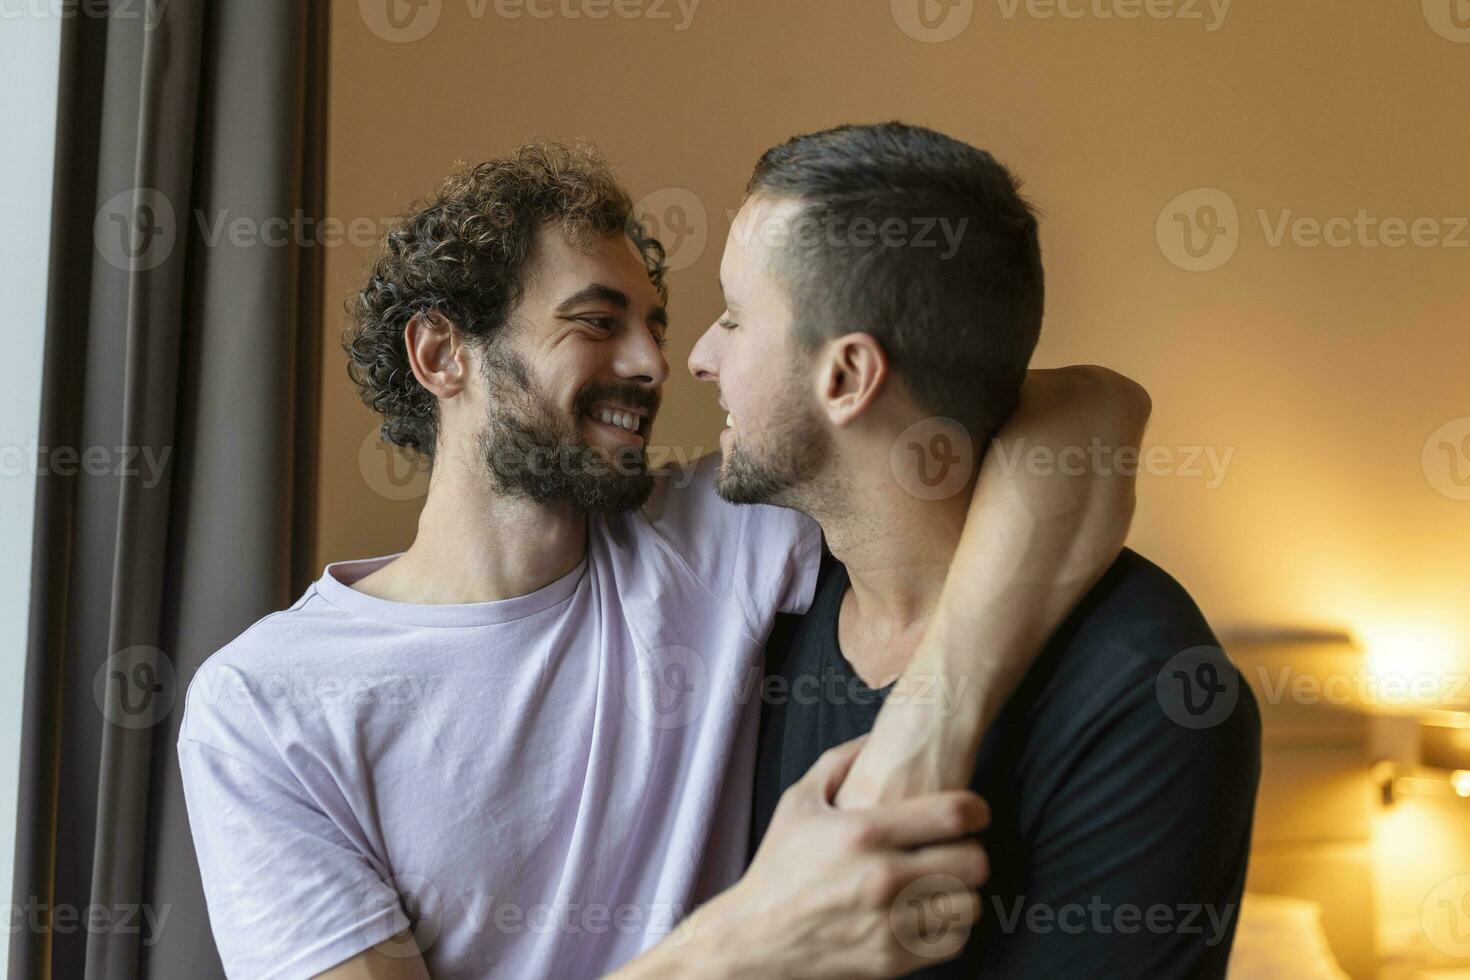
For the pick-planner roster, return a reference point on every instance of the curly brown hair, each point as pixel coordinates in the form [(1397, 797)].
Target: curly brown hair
[(462, 256)]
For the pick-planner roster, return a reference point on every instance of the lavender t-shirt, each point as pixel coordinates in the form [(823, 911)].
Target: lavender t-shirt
[(541, 786)]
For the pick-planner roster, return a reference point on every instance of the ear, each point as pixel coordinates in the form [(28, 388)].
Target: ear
[(437, 353), (852, 370)]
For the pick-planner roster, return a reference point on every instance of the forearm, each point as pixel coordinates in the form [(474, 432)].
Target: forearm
[(1036, 539)]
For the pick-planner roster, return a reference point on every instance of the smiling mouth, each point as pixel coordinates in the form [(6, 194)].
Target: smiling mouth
[(628, 421)]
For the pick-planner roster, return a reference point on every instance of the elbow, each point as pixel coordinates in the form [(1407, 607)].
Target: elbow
[(1122, 405)]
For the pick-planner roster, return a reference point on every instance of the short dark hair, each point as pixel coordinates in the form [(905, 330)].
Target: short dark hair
[(959, 329), (462, 255)]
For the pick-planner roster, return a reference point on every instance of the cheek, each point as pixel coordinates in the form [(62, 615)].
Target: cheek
[(576, 366)]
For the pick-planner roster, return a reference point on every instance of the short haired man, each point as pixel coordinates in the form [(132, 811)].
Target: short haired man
[(1113, 797)]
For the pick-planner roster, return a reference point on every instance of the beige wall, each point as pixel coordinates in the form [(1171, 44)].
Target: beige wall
[(1323, 370)]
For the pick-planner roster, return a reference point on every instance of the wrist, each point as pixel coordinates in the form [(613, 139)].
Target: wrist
[(713, 940)]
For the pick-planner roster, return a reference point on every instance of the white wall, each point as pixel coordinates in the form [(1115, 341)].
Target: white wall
[(30, 44)]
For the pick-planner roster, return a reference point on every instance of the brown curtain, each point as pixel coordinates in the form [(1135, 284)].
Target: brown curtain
[(182, 354)]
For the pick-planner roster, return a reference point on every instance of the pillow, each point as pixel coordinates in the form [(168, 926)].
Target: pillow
[(1279, 936)]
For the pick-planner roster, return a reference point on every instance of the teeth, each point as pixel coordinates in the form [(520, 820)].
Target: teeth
[(730, 421), (623, 420)]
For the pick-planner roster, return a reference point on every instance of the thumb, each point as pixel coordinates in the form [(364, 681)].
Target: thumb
[(831, 768)]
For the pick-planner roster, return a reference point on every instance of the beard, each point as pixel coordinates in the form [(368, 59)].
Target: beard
[(780, 467), (531, 450)]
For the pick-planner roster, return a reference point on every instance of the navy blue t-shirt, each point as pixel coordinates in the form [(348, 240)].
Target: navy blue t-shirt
[(1121, 777)]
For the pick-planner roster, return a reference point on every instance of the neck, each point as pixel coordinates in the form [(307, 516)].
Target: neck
[(476, 545), (897, 550)]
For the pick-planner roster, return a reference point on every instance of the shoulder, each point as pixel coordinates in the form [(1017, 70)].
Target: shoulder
[(1139, 614), (244, 689), (1138, 658)]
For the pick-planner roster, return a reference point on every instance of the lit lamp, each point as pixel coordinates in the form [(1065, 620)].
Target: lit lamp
[(1444, 743), (1444, 760)]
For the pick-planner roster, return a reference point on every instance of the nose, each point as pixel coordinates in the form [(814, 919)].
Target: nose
[(640, 360), (704, 359)]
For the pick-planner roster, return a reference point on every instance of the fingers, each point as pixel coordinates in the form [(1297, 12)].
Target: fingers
[(963, 863), (927, 819), (827, 773)]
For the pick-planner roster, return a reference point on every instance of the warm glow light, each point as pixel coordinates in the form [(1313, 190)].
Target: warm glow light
[(1424, 663), (1460, 780)]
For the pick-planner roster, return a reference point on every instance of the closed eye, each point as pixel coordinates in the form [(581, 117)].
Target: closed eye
[(603, 323)]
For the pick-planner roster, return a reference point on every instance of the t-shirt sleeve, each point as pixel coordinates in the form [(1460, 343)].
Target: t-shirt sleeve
[(764, 558), (289, 893), (1138, 852)]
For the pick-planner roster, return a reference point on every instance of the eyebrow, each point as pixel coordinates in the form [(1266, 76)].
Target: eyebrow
[(599, 293)]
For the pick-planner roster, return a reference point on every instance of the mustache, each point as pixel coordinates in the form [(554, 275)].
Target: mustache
[(634, 396)]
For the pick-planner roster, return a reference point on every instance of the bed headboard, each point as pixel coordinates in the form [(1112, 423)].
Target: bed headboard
[(1313, 830)]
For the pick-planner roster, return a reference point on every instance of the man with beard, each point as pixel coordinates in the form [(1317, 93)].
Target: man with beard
[(1122, 773), (523, 747)]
